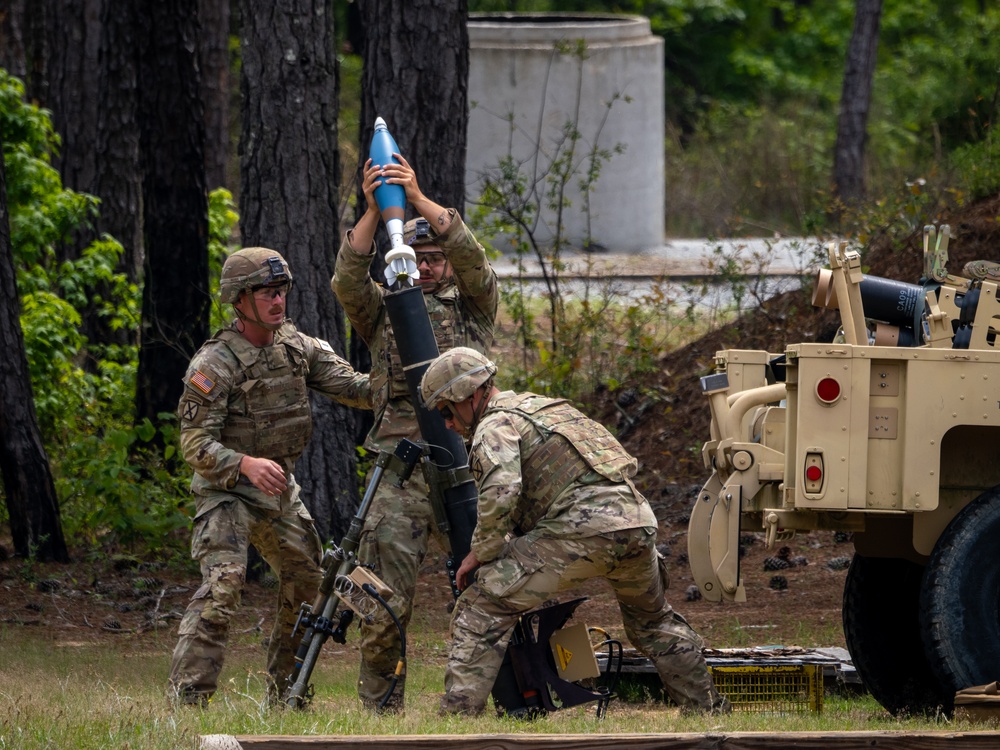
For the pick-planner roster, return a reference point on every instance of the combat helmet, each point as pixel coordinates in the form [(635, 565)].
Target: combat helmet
[(455, 375), (250, 268)]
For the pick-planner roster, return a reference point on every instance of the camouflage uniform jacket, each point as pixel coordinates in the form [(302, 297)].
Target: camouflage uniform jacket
[(462, 313), (540, 464), (240, 399)]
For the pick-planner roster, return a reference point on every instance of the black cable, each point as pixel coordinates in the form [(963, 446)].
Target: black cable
[(609, 688), (401, 664)]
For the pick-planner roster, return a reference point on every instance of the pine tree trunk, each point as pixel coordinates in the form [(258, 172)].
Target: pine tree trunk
[(855, 101), (214, 51), (288, 201), (13, 56), (27, 478), (118, 182), (175, 299), (35, 48), (416, 78), (74, 28)]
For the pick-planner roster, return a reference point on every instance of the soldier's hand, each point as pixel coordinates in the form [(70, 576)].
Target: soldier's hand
[(469, 564), (266, 475), (403, 174), (371, 179)]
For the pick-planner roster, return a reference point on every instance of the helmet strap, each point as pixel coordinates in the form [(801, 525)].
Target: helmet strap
[(478, 409)]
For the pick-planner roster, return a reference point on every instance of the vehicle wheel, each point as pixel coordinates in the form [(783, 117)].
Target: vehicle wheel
[(960, 598), (882, 629)]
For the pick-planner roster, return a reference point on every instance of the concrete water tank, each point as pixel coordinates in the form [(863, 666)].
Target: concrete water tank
[(517, 77)]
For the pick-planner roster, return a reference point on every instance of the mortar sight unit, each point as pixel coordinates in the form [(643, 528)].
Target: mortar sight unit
[(890, 433)]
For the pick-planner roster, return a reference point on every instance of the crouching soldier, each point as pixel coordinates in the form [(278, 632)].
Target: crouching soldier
[(557, 507)]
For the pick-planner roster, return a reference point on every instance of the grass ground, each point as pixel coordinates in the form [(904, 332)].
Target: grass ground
[(83, 694)]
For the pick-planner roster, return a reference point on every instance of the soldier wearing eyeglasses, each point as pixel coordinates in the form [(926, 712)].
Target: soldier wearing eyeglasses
[(244, 421), (460, 289)]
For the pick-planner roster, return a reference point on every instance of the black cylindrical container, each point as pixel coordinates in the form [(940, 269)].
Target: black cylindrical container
[(893, 301)]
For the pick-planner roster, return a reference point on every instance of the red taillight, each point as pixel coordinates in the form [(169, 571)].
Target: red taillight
[(813, 473), (828, 390)]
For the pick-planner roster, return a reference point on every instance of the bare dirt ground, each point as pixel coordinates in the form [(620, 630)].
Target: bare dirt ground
[(111, 600)]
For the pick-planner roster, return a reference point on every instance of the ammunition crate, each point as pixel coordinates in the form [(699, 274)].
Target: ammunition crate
[(763, 679), (786, 688)]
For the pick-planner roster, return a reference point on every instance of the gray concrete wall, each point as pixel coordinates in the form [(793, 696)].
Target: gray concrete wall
[(515, 72)]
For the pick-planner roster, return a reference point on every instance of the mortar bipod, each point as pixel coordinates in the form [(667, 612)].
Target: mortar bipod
[(345, 581)]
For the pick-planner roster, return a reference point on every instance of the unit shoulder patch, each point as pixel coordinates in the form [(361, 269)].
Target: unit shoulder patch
[(190, 409), (476, 467)]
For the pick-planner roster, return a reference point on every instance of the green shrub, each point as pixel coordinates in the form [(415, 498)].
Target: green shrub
[(114, 488), (977, 166)]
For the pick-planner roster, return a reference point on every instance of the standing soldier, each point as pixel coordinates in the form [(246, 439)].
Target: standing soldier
[(460, 290), (245, 420), (557, 507)]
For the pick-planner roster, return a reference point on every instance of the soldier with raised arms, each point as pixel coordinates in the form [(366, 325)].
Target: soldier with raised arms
[(244, 421), (557, 507), (460, 290)]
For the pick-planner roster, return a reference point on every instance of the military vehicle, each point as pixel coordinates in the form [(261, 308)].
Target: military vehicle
[(892, 433)]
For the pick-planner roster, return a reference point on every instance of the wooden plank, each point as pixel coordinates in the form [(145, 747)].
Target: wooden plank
[(711, 741)]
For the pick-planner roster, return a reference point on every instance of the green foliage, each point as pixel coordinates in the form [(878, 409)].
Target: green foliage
[(222, 220), (42, 214), (54, 295), (753, 169), (113, 488), (978, 166), (117, 493)]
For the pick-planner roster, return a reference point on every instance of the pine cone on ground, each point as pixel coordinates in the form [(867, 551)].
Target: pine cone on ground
[(776, 563), (838, 563)]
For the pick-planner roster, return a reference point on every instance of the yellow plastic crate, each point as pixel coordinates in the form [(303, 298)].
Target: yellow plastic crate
[(767, 689)]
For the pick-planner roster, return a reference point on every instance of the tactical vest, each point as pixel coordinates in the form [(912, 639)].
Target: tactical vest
[(277, 422), (565, 448), (449, 326)]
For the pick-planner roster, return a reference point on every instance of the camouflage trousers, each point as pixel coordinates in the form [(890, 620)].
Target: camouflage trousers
[(398, 529), (288, 541), (530, 570)]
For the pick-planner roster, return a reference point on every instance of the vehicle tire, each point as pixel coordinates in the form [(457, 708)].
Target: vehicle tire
[(882, 629), (960, 598)]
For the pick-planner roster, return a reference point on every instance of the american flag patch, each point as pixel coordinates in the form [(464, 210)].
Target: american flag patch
[(202, 382)]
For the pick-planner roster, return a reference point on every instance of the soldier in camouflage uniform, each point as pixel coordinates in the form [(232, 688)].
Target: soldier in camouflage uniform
[(557, 507), (245, 419), (460, 289)]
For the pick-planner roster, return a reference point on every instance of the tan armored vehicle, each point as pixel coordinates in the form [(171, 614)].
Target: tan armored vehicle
[(892, 433)]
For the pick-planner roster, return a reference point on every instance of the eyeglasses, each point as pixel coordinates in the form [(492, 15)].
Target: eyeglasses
[(266, 293), (431, 259), (445, 412)]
